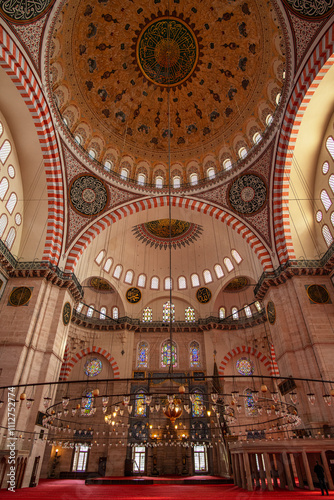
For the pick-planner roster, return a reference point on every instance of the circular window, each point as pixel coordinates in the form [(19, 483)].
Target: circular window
[(325, 167), (245, 366), (18, 219), (318, 216), (93, 367), (11, 171)]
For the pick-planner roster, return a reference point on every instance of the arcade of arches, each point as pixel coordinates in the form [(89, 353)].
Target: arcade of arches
[(167, 240)]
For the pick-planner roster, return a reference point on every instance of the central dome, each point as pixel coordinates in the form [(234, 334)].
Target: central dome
[(133, 83)]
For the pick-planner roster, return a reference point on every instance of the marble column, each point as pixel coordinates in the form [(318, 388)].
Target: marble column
[(327, 471), (307, 471)]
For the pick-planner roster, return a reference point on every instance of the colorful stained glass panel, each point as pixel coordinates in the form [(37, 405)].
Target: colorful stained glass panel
[(245, 366), (93, 367)]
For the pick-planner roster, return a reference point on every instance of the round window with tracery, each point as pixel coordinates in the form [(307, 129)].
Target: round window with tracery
[(93, 367), (245, 366)]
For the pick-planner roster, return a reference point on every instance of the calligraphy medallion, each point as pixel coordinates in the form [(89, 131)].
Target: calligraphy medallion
[(203, 295), (133, 295), (20, 296), (167, 51)]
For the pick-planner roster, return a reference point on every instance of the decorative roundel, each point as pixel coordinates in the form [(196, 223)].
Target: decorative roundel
[(20, 296), (318, 294), (167, 51), (88, 195), (14, 10), (271, 312), (67, 311), (248, 194), (133, 295), (93, 367), (310, 9), (245, 366), (203, 295)]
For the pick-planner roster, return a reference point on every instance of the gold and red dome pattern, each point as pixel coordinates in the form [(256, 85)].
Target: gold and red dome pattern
[(141, 78)]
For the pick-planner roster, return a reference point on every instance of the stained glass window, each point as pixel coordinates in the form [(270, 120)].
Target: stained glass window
[(142, 355), (248, 311), (197, 401), (166, 312), (245, 366), (147, 314), (221, 312), (235, 313), (167, 354), (87, 404), (189, 315), (140, 406), (103, 312), (194, 354), (115, 312), (250, 407), (93, 367)]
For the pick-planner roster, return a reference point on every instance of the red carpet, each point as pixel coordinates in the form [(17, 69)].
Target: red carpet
[(75, 489)]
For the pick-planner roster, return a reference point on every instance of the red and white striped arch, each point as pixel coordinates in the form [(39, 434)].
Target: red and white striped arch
[(314, 71), (69, 363), (160, 201), (18, 69), (270, 364)]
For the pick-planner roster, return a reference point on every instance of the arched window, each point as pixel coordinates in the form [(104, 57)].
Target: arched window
[(142, 356), (331, 182), (278, 98), (79, 307), (78, 139), (87, 404), (248, 311), (207, 276), (103, 312), (10, 205), (168, 354), (4, 185), (10, 238), (168, 283), (269, 119), (222, 312), (3, 224), (107, 166), (257, 137), (227, 164), (211, 173), (228, 264), (176, 181), (115, 312), (189, 315), (92, 153), (330, 146), (325, 167), (197, 404), (242, 152), (5, 151), (235, 313), (195, 360), (236, 256), (166, 312), (118, 271), (326, 201), (140, 406), (332, 218), (128, 277), (99, 258), (219, 271), (258, 306), (327, 235), (141, 280), (141, 179), (107, 265), (250, 407), (124, 173), (195, 280), (182, 282), (155, 283), (159, 182), (147, 315), (194, 179), (90, 311)]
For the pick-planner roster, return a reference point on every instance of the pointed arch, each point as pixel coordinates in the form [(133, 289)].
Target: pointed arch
[(161, 201), (270, 364), (17, 68), (313, 73), (71, 361)]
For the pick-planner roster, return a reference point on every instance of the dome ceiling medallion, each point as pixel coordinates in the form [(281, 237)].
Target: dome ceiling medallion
[(167, 52), (163, 234)]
